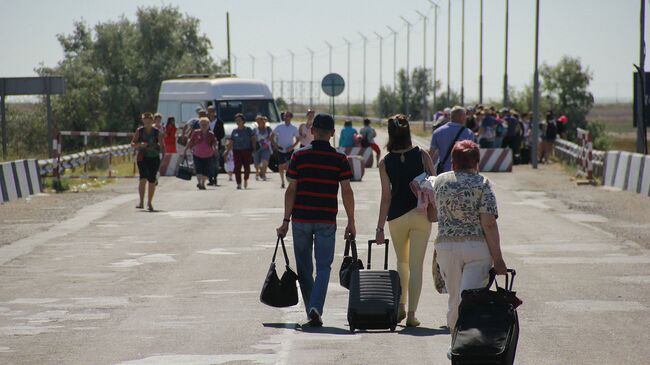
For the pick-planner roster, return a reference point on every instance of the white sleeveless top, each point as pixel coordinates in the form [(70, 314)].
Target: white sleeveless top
[(307, 138)]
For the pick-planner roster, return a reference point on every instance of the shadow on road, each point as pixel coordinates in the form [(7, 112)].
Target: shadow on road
[(297, 327), (423, 331)]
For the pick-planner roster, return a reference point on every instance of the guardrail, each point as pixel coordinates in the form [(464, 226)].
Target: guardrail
[(69, 162), (570, 152)]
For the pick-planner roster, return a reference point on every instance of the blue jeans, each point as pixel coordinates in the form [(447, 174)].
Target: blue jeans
[(319, 238)]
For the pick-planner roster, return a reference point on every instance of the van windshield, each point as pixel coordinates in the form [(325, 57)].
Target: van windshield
[(226, 110)]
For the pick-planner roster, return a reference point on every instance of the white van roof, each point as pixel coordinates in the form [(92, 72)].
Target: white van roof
[(228, 88)]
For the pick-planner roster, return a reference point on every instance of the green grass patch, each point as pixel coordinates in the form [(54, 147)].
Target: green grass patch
[(121, 167)]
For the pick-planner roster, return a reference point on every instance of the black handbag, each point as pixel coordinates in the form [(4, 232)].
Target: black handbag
[(350, 263), (184, 172), (280, 292)]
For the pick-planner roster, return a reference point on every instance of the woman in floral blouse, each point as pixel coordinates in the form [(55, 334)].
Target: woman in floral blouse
[(468, 236)]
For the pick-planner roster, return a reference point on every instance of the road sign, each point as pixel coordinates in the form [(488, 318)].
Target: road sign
[(333, 84)]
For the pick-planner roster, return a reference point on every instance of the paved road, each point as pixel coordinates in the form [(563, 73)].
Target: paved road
[(114, 285)]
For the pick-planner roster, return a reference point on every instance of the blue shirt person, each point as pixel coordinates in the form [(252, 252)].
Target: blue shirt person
[(444, 137), (347, 135)]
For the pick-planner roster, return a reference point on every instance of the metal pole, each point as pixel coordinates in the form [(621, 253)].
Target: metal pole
[(228, 40), (365, 41), (435, 56), (272, 76), (348, 75), (50, 121), (505, 72), (462, 58), (408, 65), (533, 147), (449, 51), (480, 77), (381, 54), (425, 110), (252, 65), (330, 49), (311, 78), (293, 81), (3, 118), (641, 139), (394, 58)]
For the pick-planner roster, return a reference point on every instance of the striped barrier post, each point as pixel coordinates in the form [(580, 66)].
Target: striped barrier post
[(585, 167), (19, 179), (365, 152), (357, 166), (496, 160)]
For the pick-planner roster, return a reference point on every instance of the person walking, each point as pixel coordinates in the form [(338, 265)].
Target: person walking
[(347, 135), (409, 229), (216, 126), (304, 130), (368, 135), (204, 145), (261, 156), (311, 205), (549, 135), (512, 139), (487, 132), (170, 135), (443, 139), (148, 141), (285, 142), (243, 146), (467, 244)]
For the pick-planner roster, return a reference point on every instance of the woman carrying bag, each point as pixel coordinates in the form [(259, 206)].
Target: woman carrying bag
[(204, 145), (409, 228)]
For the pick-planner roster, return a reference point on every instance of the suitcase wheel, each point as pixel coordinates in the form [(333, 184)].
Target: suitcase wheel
[(352, 329)]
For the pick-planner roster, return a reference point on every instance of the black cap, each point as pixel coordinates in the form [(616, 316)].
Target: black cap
[(324, 122)]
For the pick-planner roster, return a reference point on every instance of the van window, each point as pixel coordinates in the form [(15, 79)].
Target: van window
[(250, 108)]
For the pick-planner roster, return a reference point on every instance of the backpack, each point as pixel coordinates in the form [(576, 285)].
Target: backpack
[(551, 131)]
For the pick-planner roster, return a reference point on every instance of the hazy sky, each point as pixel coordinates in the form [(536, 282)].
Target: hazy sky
[(604, 34)]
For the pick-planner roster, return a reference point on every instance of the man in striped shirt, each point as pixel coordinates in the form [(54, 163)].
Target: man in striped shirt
[(311, 202)]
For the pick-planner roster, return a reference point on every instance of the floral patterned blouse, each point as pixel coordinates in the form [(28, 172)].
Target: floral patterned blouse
[(461, 197)]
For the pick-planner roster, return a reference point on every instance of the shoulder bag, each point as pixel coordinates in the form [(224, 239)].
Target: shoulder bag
[(184, 172), (432, 212), (280, 292), (440, 166), (350, 263)]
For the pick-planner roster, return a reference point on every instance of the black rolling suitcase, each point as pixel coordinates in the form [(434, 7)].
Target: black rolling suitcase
[(487, 330), (374, 296)]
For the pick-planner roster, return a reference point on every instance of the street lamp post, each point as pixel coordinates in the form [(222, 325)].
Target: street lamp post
[(272, 79), (641, 132), (311, 78), (425, 110), (462, 58), (405, 100), (533, 147), (435, 54), (394, 57), (381, 54), (330, 49), (448, 51), (293, 81), (365, 41), (480, 77), (348, 43), (505, 72)]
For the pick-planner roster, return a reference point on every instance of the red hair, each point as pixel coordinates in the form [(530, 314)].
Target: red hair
[(465, 155)]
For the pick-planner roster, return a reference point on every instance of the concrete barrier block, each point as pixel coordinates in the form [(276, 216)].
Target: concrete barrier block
[(634, 173), (611, 159), (645, 177), (621, 170)]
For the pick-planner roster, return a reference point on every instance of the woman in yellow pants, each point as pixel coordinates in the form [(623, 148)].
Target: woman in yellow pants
[(409, 229)]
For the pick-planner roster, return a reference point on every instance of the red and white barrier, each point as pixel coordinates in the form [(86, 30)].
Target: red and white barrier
[(19, 179), (357, 166), (585, 154), (365, 152), (496, 160), (169, 164), (96, 134)]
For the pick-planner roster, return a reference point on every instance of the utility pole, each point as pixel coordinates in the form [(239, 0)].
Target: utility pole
[(425, 109), (252, 65), (505, 72), (448, 51), (293, 81), (405, 99), (330, 49), (641, 139), (394, 57), (435, 54), (365, 42), (462, 58), (348, 75), (533, 147), (228, 40), (381, 54), (480, 77), (311, 78), (272, 79)]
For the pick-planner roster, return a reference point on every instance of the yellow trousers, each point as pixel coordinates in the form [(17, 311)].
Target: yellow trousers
[(410, 234)]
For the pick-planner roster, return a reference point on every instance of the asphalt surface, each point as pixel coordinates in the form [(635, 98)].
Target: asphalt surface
[(116, 285)]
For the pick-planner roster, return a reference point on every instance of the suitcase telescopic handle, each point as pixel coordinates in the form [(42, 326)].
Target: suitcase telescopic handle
[(370, 242), (510, 278)]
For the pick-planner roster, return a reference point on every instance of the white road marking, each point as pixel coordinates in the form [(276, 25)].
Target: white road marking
[(211, 281), (217, 251), (564, 247), (28, 330), (584, 218), (633, 279), (33, 301), (230, 292), (202, 359), (198, 214), (597, 306), (587, 260), (5, 349)]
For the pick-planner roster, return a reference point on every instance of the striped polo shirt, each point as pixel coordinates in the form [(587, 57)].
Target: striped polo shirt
[(318, 169)]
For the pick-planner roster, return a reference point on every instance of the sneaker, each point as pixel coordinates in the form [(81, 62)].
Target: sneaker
[(282, 186), (245, 184), (314, 318), (212, 183), (238, 187)]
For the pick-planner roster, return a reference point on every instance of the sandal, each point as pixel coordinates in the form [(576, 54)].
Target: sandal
[(150, 208), (139, 206)]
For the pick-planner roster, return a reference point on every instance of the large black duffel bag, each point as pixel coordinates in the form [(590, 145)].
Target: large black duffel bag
[(487, 330)]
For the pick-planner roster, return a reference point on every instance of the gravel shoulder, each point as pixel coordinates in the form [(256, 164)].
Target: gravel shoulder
[(24, 217)]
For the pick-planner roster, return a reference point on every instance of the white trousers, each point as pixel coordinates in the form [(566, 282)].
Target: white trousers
[(464, 265)]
